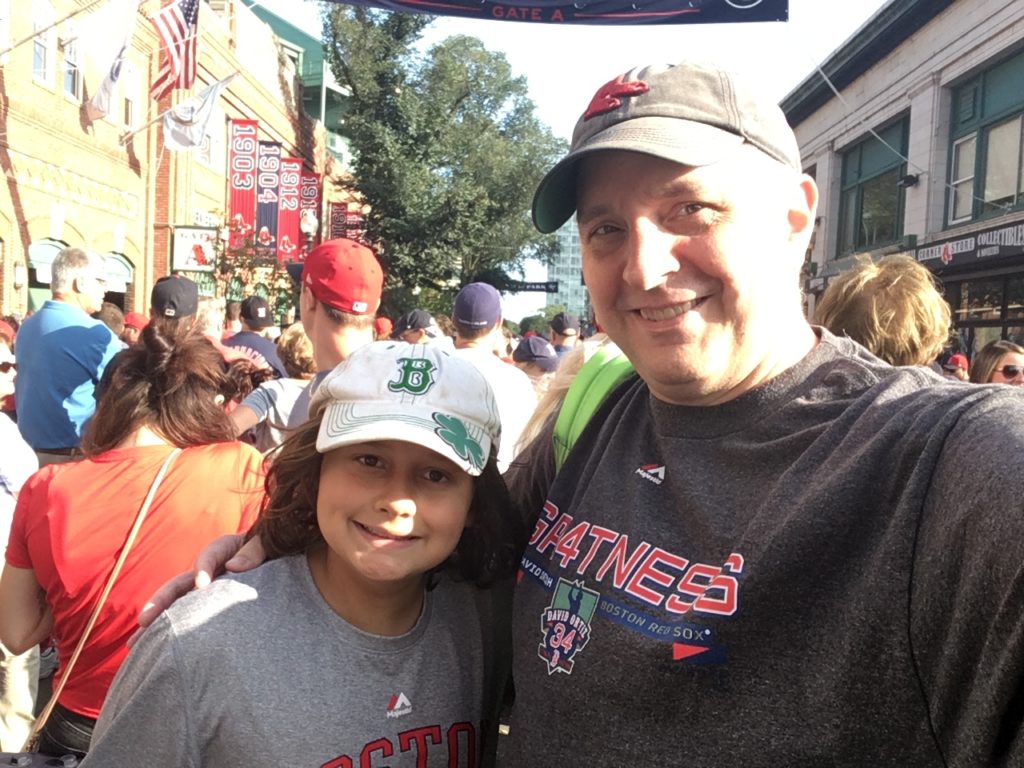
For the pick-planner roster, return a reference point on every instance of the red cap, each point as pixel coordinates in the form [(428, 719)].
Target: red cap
[(383, 326), (956, 361), (136, 320), (343, 274)]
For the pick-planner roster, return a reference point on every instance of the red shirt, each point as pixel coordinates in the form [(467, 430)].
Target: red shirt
[(72, 520)]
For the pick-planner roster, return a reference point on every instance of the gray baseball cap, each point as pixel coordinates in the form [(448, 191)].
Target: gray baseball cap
[(690, 113)]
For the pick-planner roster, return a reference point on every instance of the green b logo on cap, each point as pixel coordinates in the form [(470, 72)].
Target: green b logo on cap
[(415, 376)]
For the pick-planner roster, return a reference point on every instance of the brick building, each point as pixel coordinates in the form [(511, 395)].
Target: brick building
[(69, 181)]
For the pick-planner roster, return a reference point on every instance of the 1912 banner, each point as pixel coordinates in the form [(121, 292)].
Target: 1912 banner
[(241, 179), (288, 237), (268, 172)]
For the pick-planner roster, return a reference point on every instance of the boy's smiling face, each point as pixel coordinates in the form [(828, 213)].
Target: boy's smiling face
[(389, 512)]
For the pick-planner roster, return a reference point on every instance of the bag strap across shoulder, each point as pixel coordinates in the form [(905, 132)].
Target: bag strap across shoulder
[(139, 518), (605, 370)]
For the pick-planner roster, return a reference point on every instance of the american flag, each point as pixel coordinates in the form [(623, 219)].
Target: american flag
[(177, 25)]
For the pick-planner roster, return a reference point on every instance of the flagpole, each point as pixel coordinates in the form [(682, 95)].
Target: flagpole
[(126, 137), (47, 28)]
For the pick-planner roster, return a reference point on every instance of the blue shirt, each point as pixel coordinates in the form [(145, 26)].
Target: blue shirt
[(61, 353), (250, 342)]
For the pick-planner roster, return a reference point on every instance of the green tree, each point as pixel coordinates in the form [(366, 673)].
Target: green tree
[(447, 152)]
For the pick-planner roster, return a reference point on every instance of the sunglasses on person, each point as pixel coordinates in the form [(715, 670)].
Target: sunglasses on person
[(1010, 371), (6, 367)]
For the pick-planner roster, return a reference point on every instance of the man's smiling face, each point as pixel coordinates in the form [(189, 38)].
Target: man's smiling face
[(693, 271)]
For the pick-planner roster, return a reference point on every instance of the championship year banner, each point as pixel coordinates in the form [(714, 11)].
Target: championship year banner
[(597, 11), (241, 179), (309, 200), (289, 239), (338, 216), (268, 172)]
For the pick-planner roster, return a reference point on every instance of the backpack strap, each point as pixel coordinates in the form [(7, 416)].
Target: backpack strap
[(602, 373)]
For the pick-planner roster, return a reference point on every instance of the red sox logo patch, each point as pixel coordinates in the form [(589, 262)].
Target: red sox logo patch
[(609, 96)]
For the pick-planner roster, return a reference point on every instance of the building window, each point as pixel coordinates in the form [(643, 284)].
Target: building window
[(42, 44), (987, 157), (129, 79), (1003, 187), (72, 72), (870, 200), (986, 309)]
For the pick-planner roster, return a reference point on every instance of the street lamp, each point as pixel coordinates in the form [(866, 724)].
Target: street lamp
[(309, 225)]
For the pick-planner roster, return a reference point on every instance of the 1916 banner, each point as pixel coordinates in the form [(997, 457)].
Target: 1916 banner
[(309, 200), (242, 180), (336, 226), (289, 238), (268, 171)]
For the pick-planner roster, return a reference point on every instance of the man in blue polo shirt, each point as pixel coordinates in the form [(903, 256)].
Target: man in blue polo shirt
[(61, 354)]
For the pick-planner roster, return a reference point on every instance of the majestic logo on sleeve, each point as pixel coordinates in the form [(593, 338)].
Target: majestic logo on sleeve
[(566, 624), (399, 705), (415, 376), (609, 96), (653, 472)]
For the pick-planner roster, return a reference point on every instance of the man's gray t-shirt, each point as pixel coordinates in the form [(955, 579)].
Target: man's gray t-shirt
[(826, 571), (258, 670)]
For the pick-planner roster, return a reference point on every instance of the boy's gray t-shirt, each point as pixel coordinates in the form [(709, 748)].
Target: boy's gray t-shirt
[(258, 670)]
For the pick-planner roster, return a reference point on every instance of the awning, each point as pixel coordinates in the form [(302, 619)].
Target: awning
[(118, 269), (119, 272), (41, 255)]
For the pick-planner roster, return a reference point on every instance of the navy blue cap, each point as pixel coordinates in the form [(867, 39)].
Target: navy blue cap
[(478, 305), (536, 349)]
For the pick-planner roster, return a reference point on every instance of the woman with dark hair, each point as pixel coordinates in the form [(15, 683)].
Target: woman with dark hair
[(72, 520), (999, 362)]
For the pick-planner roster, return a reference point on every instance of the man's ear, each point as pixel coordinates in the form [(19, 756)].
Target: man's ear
[(307, 302), (802, 208)]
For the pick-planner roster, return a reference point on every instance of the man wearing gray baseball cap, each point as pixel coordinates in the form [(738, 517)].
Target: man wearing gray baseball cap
[(769, 547)]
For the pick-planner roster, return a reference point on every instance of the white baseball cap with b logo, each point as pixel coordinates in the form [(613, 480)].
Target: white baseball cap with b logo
[(416, 393)]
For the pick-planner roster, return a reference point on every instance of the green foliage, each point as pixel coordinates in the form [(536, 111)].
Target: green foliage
[(245, 268), (448, 152), (539, 323)]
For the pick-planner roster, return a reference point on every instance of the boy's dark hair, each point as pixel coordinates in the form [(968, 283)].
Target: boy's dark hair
[(487, 550)]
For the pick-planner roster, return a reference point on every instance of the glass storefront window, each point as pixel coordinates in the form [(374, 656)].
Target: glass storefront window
[(981, 300), (1015, 298)]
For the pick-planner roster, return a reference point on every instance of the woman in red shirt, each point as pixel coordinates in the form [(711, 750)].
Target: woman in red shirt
[(72, 520)]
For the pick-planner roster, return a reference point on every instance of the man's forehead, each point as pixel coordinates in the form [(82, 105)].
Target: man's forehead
[(659, 177), (663, 177)]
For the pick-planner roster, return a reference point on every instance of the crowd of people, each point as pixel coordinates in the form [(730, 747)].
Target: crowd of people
[(717, 532)]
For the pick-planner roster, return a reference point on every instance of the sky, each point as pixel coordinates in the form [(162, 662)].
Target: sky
[(565, 65)]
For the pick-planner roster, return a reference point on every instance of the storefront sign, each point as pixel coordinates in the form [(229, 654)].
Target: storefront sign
[(242, 180), (1007, 240), (194, 249)]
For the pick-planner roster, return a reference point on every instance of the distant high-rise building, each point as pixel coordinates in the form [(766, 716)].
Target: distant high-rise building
[(566, 268)]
